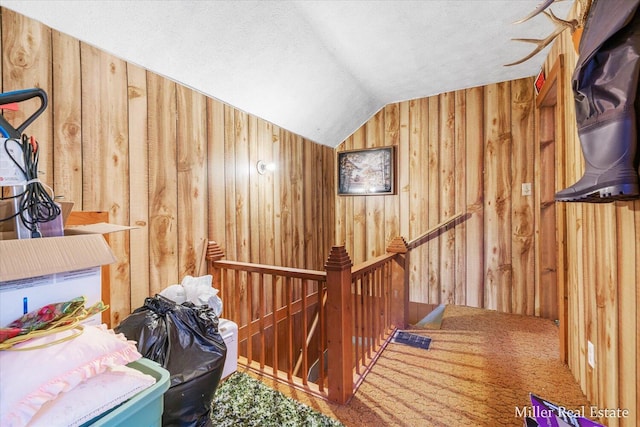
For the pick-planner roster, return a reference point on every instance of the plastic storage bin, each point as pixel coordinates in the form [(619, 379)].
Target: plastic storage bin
[(229, 333), (145, 408)]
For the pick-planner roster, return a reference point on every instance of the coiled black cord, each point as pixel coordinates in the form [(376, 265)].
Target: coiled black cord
[(36, 205)]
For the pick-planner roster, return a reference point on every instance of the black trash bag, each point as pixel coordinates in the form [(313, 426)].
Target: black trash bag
[(183, 339)]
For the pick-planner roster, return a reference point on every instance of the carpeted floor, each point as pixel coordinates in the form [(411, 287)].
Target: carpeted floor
[(479, 371)]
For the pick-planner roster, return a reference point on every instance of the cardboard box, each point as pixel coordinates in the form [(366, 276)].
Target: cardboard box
[(36, 272)]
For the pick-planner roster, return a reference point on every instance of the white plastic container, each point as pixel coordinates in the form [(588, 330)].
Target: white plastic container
[(229, 332)]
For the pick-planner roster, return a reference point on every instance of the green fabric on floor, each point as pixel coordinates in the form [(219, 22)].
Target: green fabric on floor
[(242, 400)]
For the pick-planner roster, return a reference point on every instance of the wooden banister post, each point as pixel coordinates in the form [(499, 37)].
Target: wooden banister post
[(339, 325), (399, 283), (214, 253)]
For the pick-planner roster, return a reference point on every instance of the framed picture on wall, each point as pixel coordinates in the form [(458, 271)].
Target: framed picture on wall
[(366, 172)]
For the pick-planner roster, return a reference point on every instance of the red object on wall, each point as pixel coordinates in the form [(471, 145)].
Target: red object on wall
[(540, 81)]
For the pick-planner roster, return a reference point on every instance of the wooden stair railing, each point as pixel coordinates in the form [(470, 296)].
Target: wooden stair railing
[(355, 311), (435, 230), (307, 341), (272, 307), (290, 318)]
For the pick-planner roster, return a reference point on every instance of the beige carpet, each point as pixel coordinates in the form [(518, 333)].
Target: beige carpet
[(478, 371)]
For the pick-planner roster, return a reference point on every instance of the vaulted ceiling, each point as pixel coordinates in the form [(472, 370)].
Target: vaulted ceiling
[(317, 68)]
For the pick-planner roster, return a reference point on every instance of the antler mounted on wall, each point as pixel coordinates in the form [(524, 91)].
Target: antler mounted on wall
[(560, 26)]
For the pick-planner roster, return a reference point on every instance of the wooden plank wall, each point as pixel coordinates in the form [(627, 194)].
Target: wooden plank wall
[(181, 167), (465, 151), (178, 165), (602, 279), (494, 133)]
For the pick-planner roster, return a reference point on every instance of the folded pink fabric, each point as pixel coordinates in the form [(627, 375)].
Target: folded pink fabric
[(29, 379)]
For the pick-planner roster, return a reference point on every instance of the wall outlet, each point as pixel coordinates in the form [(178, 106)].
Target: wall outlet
[(526, 188), (591, 354)]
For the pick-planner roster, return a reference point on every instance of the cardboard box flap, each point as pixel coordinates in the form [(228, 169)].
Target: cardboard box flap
[(37, 257), (98, 228)]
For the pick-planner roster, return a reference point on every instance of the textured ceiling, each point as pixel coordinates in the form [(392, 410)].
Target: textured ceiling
[(317, 68)]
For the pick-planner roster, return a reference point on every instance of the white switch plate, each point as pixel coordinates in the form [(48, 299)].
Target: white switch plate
[(591, 354), (526, 188)]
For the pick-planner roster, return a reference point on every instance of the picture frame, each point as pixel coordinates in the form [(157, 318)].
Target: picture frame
[(368, 171)]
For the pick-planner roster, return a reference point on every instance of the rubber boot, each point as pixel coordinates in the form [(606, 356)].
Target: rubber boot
[(605, 88), (610, 171)]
